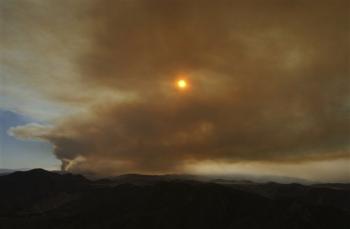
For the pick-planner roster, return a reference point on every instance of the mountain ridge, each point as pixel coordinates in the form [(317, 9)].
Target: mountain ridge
[(43, 199)]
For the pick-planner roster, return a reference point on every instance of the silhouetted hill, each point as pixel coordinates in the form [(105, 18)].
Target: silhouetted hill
[(41, 199), (37, 180), (140, 179), (22, 190), (6, 171)]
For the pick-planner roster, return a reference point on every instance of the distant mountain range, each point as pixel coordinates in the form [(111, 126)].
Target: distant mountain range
[(7, 171), (42, 199)]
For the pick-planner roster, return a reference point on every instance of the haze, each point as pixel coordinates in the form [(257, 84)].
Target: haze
[(265, 90)]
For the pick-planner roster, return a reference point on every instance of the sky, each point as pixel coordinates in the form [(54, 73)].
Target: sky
[(91, 86)]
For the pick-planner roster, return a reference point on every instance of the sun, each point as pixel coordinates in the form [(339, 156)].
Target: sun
[(182, 84)]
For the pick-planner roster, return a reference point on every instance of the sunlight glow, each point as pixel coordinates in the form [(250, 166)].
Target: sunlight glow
[(182, 84)]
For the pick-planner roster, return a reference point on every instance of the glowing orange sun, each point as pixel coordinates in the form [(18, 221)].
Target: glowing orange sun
[(182, 84)]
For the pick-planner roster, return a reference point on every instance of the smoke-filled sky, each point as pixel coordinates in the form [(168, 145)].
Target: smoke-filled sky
[(268, 86)]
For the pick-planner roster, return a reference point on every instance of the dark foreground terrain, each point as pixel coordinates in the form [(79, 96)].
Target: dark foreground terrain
[(41, 199)]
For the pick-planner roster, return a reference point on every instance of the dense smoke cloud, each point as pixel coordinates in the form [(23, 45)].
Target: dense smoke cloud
[(269, 82)]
